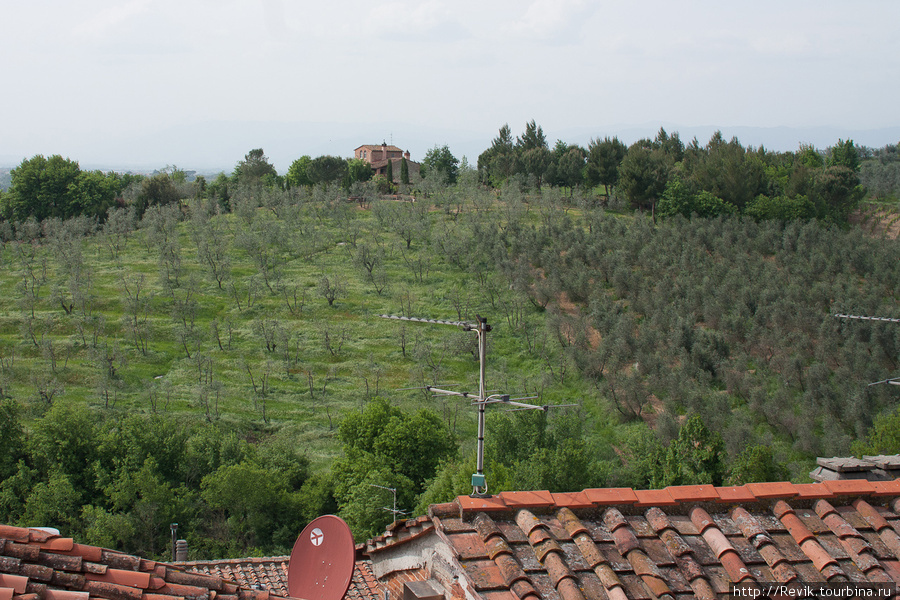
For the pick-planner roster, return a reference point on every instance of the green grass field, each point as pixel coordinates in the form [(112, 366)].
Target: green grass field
[(266, 348)]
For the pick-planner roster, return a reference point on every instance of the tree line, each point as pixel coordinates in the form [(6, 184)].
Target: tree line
[(665, 176), (56, 187)]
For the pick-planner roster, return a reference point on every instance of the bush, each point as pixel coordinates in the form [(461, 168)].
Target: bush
[(780, 208)]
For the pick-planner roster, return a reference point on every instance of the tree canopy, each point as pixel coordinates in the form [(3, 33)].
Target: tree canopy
[(255, 168), (439, 159), (56, 187), (384, 446)]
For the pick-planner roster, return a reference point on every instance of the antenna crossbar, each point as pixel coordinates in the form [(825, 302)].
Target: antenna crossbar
[(394, 511), (864, 318), (464, 324), (429, 388)]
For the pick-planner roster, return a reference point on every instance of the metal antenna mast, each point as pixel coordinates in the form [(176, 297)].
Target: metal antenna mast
[(393, 491), (893, 380), (481, 328)]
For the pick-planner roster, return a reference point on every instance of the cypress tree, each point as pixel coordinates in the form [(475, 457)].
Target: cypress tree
[(404, 171), (390, 171)]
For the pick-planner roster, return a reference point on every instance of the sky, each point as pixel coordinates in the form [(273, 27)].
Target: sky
[(199, 83)]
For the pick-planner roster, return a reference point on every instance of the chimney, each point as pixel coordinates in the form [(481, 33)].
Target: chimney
[(181, 551), (871, 468), (383, 150), (406, 155)]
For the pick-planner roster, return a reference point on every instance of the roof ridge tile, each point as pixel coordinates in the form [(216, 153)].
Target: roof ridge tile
[(571, 500), (611, 496), (693, 493), (850, 487), (491, 503), (772, 489), (654, 498), (813, 491), (887, 488), (735, 493), (56, 543), (17, 534), (535, 499), (446, 509)]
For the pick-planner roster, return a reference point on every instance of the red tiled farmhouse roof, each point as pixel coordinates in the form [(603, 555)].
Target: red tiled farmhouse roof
[(388, 147)]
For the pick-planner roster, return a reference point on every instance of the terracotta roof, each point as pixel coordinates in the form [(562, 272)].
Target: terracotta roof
[(36, 565), (388, 147), (271, 574), (268, 573), (678, 542), (377, 164)]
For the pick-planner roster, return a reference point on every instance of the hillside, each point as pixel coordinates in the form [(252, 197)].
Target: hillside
[(261, 325)]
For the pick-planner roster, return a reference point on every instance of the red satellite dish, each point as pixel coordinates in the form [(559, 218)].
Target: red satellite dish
[(322, 561)]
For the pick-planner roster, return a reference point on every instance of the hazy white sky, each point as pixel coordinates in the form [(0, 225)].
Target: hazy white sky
[(132, 81)]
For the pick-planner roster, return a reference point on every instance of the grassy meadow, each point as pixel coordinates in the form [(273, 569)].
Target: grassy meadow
[(136, 320)]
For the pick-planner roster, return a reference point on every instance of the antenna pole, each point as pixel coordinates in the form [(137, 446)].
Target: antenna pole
[(481, 328), (478, 483)]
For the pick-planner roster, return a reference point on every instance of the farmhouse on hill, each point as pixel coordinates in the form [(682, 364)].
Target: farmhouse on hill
[(378, 157)]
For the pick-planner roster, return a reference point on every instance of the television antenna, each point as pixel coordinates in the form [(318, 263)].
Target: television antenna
[(394, 511), (482, 399), (893, 380)]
